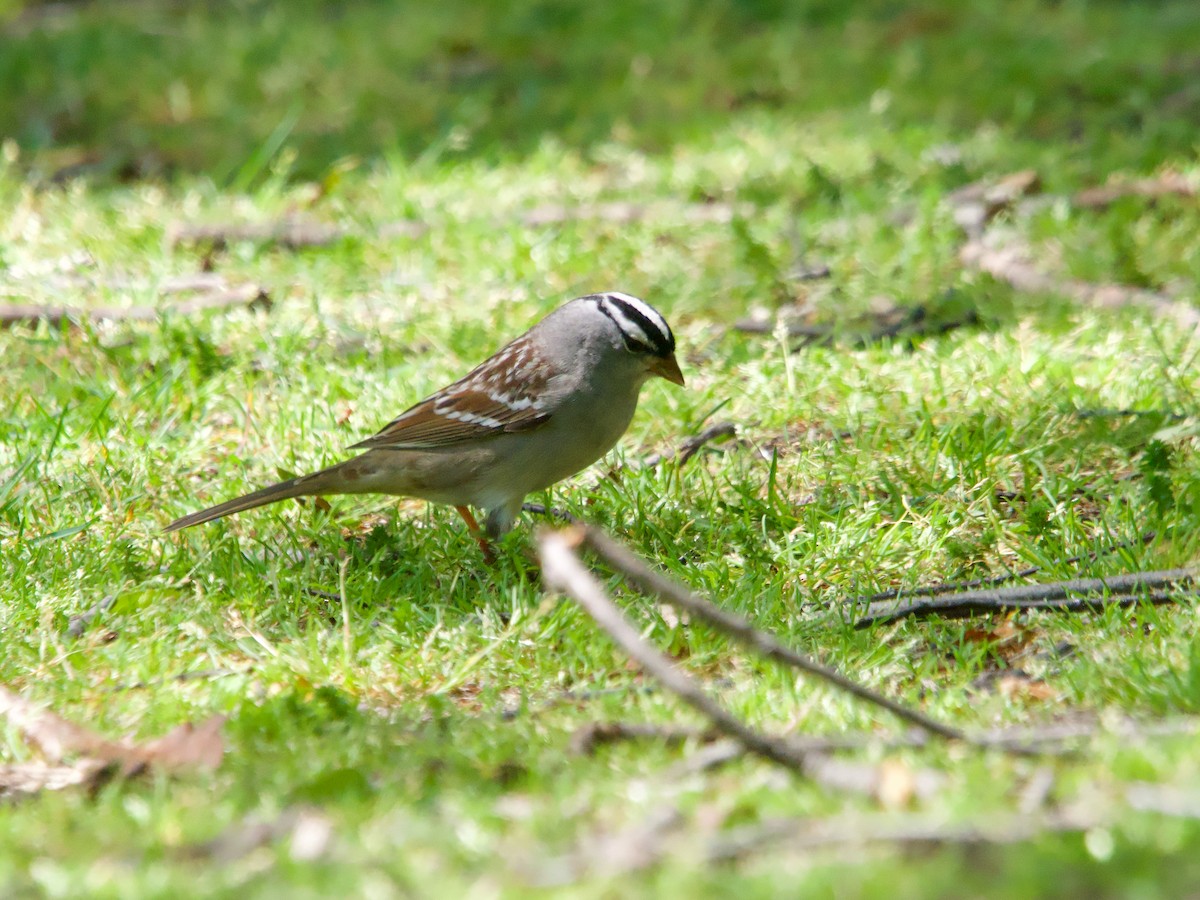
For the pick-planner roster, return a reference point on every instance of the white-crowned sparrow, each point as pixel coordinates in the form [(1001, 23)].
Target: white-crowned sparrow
[(543, 407)]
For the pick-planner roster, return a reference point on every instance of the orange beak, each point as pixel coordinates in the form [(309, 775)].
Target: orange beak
[(667, 368)]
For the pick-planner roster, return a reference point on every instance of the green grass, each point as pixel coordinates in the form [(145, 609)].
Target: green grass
[(842, 126)]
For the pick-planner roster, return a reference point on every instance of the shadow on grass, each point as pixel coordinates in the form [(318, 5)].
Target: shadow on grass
[(234, 88)]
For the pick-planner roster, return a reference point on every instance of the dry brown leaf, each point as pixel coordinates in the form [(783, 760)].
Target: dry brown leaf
[(1006, 638), (35, 777), (54, 736), (186, 747), (466, 695), (1015, 686)]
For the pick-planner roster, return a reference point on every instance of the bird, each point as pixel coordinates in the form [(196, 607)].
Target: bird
[(540, 409)]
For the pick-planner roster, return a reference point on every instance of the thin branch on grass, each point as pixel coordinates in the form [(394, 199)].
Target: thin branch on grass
[(1060, 739), (893, 322), (652, 582), (808, 834), (292, 233), (562, 569), (322, 595), (687, 449), (693, 445), (623, 212), (1167, 185), (1116, 590), (250, 296), (1050, 739), (934, 590), (1128, 413), (712, 756), (805, 272), (1063, 735), (196, 675), (587, 739), (596, 734), (79, 623), (631, 849), (195, 282), (1012, 263)]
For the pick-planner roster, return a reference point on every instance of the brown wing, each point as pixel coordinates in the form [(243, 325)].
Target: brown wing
[(504, 393)]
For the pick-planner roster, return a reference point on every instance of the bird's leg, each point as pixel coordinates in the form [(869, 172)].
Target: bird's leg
[(485, 545)]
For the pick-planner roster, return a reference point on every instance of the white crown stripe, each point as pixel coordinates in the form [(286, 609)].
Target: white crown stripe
[(633, 317), (631, 328), (645, 309)]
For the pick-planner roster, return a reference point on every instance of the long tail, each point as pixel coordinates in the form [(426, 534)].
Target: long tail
[(323, 482)]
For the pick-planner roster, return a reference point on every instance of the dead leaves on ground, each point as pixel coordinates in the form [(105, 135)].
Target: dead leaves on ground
[(75, 755), (1007, 257), (986, 211), (204, 291)]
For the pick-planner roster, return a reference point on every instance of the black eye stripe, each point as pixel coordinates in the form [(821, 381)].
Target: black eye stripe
[(632, 345), (665, 343), (661, 342)]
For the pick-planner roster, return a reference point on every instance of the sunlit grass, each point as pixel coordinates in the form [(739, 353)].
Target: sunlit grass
[(435, 739)]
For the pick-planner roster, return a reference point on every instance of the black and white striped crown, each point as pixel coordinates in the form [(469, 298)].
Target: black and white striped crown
[(644, 330)]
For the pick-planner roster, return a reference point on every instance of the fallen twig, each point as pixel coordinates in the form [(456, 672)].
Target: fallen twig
[(1128, 413), (1063, 735), (322, 595), (248, 295), (1011, 262), (562, 569), (76, 280), (693, 445), (195, 675), (707, 758), (1166, 185), (675, 594), (807, 834), (1050, 739), (79, 624), (585, 740), (1119, 590), (623, 212), (891, 323), (292, 233), (934, 590)]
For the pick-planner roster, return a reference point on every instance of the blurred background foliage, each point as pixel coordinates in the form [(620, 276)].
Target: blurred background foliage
[(137, 89)]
